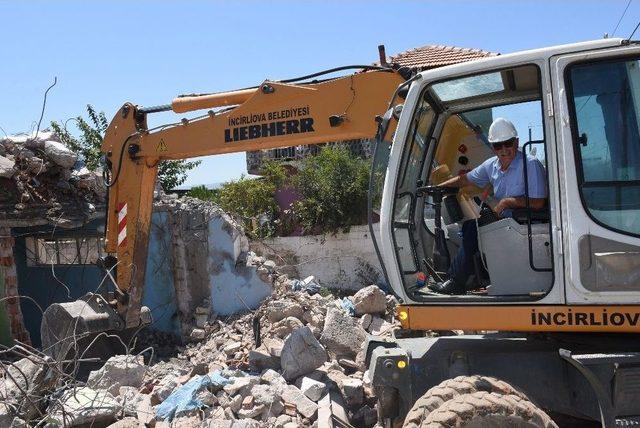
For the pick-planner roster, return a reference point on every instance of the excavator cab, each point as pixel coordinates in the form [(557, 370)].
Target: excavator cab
[(575, 109), (553, 307), (447, 136)]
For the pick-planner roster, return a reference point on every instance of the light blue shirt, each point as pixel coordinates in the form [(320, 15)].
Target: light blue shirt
[(510, 183)]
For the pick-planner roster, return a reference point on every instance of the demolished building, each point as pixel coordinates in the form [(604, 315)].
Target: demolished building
[(51, 236)]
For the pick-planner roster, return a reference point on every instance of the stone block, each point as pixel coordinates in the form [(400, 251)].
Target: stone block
[(352, 391), (304, 406), (119, 370), (313, 389), (7, 169), (260, 359), (342, 335), (85, 406), (301, 353), (281, 309), (370, 300), (60, 154)]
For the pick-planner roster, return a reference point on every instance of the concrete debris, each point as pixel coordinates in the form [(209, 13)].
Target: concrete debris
[(379, 326), (281, 309), (370, 300), (241, 385), (43, 181), (164, 388), (313, 389), (352, 391), (260, 359), (118, 371), (60, 154), (6, 415), (7, 167), (285, 326), (301, 353), (26, 382), (342, 334), (304, 406), (79, 406), (197, 334), (128, 422)]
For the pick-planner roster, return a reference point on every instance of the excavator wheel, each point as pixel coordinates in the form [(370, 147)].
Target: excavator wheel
[(488, 410), (451, 388)]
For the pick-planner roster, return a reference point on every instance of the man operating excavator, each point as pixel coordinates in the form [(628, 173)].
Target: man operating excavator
[(504, 172)]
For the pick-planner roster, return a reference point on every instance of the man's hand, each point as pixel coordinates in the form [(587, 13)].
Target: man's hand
[(503, 205)]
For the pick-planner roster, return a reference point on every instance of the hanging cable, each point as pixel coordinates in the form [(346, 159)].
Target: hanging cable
[(622, 16)]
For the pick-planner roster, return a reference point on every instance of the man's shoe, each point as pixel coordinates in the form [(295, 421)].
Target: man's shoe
[(450, 286)]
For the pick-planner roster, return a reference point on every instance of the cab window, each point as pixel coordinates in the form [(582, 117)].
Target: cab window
[(605, 102)]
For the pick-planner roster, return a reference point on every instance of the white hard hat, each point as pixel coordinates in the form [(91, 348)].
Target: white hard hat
[(502, 130)]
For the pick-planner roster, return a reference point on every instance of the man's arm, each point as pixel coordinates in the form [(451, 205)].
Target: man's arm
[(458, 181), (519, 202)]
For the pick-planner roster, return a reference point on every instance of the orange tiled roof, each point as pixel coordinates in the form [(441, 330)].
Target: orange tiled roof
[(432, 56)]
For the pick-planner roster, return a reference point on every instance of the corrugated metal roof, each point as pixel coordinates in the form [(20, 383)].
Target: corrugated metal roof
[(432, 56)]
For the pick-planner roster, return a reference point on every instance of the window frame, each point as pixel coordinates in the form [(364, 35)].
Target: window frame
[(400, 181), (36, 260), (577, 153)]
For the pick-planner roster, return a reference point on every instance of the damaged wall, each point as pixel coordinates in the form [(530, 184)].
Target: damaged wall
[(345, 260), (46, 283), (159, 293), (208, 260), (236, 285), (14, 320)]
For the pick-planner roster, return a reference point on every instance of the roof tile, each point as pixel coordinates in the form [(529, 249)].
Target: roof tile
[(432, 56)]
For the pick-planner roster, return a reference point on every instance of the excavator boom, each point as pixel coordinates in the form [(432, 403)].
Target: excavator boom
[(273, 115)]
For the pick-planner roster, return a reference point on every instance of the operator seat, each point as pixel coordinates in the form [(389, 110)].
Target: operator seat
[(504, 245)]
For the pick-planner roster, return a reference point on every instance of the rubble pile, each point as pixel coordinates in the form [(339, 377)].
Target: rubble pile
[(41, 178), (282, 365)]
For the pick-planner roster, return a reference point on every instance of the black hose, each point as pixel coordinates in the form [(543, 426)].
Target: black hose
[(115, 179), (308, 76), (333, 70)]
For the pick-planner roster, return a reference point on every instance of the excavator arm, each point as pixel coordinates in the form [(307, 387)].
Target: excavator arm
[(270, 116)]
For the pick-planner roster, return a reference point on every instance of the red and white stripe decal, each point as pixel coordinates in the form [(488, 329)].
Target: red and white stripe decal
[(122, 224)]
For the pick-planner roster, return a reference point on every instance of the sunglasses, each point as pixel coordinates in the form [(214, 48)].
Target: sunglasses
[(506, 144)]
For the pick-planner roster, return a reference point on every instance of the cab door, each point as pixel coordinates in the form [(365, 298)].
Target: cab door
[(597, 122)]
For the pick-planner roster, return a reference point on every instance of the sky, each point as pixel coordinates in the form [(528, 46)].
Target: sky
[(105, 53)]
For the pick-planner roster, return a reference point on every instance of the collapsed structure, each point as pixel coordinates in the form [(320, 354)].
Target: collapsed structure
[(43, 186), (52, 220)]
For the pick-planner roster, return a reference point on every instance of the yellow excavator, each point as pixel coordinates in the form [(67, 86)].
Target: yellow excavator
[(545, 332)]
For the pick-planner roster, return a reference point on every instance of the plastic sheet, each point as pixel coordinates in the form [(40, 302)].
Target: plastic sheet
[(185, 398)]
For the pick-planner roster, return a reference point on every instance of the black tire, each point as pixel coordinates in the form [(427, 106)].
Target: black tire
[(486, 409), (451, 388)]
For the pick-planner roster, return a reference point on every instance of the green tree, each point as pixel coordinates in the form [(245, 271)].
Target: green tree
[(251, 201), (171, 173), (333, 186)]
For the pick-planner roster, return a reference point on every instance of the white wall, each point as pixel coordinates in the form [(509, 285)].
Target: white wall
[(346, 260)]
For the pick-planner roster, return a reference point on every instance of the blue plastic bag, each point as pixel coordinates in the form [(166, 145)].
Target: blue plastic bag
[(348, 306), (185, 397)]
